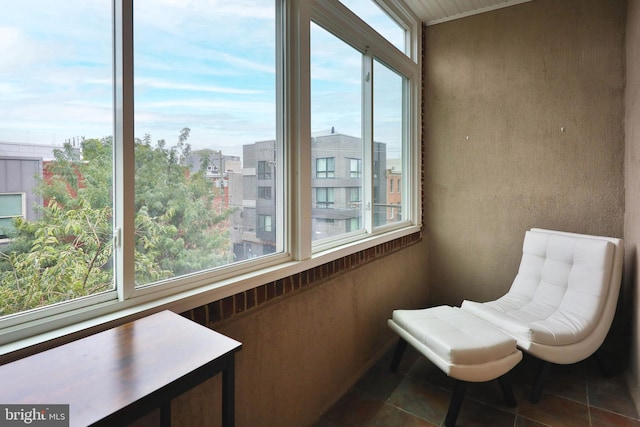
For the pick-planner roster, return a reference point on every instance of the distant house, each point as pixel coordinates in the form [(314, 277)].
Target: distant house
[(394, 194), (17, 199), (20, 166)]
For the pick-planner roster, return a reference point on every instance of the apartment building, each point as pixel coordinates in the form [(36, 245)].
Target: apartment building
[(336, 192)]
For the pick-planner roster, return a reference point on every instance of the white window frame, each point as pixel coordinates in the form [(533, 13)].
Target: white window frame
[(28, 332), (337, 19)]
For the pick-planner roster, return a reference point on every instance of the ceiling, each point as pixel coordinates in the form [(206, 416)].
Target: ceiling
[(437, 11)]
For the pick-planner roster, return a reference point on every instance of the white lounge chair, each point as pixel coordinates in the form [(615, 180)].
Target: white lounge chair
[(563, 300)]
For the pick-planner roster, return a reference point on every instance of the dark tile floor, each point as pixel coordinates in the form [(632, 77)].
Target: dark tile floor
[(418, 396)]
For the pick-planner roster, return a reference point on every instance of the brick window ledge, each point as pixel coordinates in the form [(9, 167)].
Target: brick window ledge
[(217, 312)]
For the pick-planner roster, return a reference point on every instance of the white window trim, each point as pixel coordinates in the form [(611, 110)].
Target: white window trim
[(90, 314)]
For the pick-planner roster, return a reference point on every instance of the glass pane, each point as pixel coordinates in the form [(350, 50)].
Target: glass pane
[(10, 204), (205, 124), (6, 227), (379, 20), (388, 135), (336, 123), (56, 124)]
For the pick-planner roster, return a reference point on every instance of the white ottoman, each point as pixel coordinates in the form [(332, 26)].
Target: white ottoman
[(464, 346)]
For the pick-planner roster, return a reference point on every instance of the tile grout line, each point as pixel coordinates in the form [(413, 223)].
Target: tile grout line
[(586, 392)]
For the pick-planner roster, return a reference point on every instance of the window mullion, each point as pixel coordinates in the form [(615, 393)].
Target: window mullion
[(298, 127), (367, 138), (280, 174), (123, 144)]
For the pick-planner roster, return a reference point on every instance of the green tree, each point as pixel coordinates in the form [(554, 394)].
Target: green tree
[(67, 253)]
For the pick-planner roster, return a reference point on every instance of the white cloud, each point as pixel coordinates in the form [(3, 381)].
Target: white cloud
[(204, 64), (20, 51), (147, 83)]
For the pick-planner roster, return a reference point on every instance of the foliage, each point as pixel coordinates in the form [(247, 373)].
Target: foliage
[(180, 227)]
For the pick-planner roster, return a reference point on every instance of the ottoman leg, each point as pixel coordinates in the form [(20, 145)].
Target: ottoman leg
[(507, 391), (397, 355), (456, 403)]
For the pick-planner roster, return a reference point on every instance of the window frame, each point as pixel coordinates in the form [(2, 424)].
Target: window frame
[(27, 332)]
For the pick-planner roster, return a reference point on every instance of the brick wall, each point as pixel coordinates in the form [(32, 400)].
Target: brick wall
[(225, 309)]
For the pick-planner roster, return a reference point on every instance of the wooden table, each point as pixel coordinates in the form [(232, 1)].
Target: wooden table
[(114, 377)]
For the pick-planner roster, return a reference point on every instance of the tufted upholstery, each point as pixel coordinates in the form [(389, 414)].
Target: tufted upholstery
[(562, 301), (460, 344)]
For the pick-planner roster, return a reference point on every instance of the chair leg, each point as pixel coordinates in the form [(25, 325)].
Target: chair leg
[(397, 355), (459, 390), (507, 391), (536, 392)]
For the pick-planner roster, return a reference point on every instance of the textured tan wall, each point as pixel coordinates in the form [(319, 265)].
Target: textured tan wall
[(632, 180), (524, 128), (304, 351)]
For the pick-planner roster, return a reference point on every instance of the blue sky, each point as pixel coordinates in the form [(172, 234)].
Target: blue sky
[(203, 64)]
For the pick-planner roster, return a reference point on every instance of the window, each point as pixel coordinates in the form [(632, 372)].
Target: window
[(353, 225), (264, 169), (389, 112), (324, 197), (378, 18), (177, 148), (325, 167), (182, 92), (336, 91), (264, 193), (326, 220), (11, 206), (57, 106), (355, 168), (368, 127), (355, 195), (264, 223)]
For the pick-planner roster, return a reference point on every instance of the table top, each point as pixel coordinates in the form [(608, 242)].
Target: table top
[(103, 373)]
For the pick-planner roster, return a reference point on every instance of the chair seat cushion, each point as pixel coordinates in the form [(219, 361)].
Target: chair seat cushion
[(559, 329), (455, 336)]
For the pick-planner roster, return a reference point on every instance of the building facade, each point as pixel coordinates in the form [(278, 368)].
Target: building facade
[(337, 185)]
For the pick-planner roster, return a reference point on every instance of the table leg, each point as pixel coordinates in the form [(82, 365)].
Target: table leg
[(165, 414), (228, 394)]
